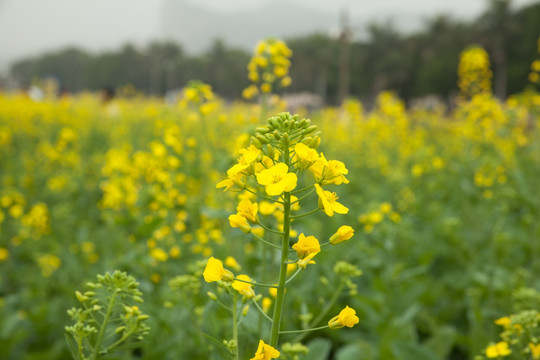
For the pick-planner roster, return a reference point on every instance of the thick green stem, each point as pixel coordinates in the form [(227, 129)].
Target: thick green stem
[(278, 307), (104, 325), (235, 325), (303, 330)]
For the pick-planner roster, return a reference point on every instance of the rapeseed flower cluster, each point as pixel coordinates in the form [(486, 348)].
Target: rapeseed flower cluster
[(270, 170), (268, 68), (474, 72)]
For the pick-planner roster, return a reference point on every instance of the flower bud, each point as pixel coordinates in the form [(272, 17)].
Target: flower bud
[(256, 142), (245, 310), (212, 296), (345, 232), (310, 129)]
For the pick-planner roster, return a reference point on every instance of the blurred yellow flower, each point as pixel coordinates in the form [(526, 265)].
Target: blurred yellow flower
[(497, 350)]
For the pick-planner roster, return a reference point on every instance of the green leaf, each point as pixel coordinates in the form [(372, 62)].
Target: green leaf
[(319, 349)]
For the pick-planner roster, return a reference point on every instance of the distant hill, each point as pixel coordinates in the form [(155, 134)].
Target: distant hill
[(195, 27)]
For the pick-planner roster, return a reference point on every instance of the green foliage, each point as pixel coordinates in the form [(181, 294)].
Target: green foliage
[(107, 320)]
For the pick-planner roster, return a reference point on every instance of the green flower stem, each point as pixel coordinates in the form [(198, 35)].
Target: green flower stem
[(104, 325), (235, 325), (278, 307), (293, 275), (262, 196), (256, 284), (261, 311), (303, 331), (303, 197), (326, 309), (268, 229), (326, 243), (119, 341), (300, 190), (223, 305), (266, 242), (306, 214)]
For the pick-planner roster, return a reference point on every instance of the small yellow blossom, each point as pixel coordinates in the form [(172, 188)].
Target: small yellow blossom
[(497, 350), (328, 202), (238, 221), (248, 210), (277, 179), (265, 352), (243, 288), (306, 245), (347, 317), (345, 232), (214, 271)]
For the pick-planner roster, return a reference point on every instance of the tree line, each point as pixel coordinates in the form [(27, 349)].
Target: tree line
[(413, 65)]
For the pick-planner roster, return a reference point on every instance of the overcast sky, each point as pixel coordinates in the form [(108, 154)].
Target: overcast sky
[(29, 27)]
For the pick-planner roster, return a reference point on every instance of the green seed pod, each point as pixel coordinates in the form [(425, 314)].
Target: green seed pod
[(119, 329), (271, 151), (262, 140), (314, 143), (256, 142), (310, 129), (286, 140), (286, 124)]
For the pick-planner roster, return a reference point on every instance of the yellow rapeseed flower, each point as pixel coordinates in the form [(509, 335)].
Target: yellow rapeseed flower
[(345, 232), (265, 352), (497, 350), (243, 288), (306, 154), (306, 245), (347, 317), (277, 179), (329, 171), (214, 271), (328, 202), (248, 210), (238, 221)]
